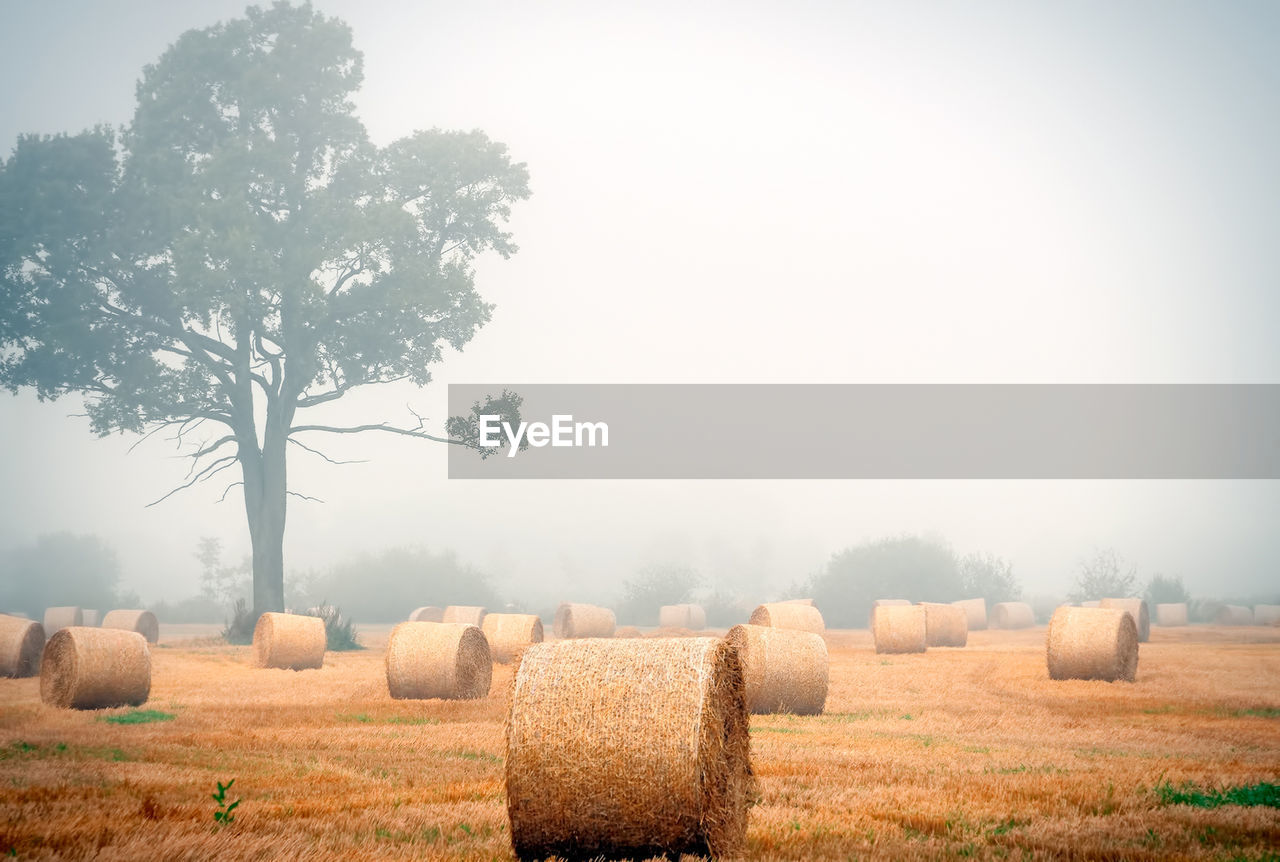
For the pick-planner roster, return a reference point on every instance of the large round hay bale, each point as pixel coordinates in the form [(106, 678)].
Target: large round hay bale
[(782, 615), (1092, 643), (684, 616), (1137, 607), (446, 660), (1233, 615), (21, 643), (142, 622), (1012, 615), (975, 612), (628, 632), (87, 668), (89, 618), (583, 621), (784, 670), (628, 748), (510, 634), (945, 625), (465, 614), (289, 641), (1171, 614), (60, 618), (1266, 615), (427, 614), (899, 629)]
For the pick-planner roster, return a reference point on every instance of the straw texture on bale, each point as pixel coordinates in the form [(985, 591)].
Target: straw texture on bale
[(1091, 604), (1266, 615), (783, 615), (288, 641), (1171, 614), (427, 614), (1233, 615), (975, 612), (899, 628), (467, 614), (510, 634), (1137, 607), (784, 670), (625, 748), (1012, 615), (87, 668), (446, 660), (945, 625), (584, 621), (21, 643), (142, 622), (1092, 643), (89, 618), (60, 618), (682, 617), (628, 632)]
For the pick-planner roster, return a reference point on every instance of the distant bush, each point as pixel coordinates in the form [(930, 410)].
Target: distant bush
[(239, 629), (990, 577), (339, 633), (1166, 590), (908, 567), (1105, 575), (62, 569), (644, 594)]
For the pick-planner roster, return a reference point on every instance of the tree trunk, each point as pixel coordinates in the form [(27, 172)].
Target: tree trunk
[(265, 492)]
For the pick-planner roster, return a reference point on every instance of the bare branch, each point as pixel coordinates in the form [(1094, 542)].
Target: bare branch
[(382, 426), (208, 472), (324, 456), (227, 490), (304, 496)]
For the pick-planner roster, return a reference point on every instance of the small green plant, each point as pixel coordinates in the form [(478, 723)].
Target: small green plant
[(1263, 793), (138, 716), (223, 816), (339, 633)]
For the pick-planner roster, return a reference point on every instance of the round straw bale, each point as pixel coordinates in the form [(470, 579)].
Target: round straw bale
[(289, 641), (87, 668), (509, 634), (808, 602), (584, 621), (784, 670), (1012, 615), (1233, 615), (89, 618), (682, 617), (60, 618), (1137, 607), (21, 643), (899, 628), (945, 624), (975, 611), (781, 615), (1171, 614), (447, 660), (427, 614), (1092, 643), (1266, 615), (1094, 603), (142, 622), (628, 749), (628, 632), (468, 614)]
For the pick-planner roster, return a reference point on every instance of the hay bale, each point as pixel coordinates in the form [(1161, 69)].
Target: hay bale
[(1137, 607), (446, 660), (975, 612), (1012, 615), (21, 643), (60, 618), (671, 632), (782, 615), (427, 614), (583, 621), (288, 641), (684, 616), (1171, 614), (1092, 643), (142, 622), (945, 625), (1233, 615), (465, 614), (628, 632), (1091, 604), (87, 668), (899, 629), (89, 618), (1266, 615), (628, 749), (510, 634), (784, 670)]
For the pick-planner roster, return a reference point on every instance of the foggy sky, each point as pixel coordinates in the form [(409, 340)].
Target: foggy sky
[(861, 193)]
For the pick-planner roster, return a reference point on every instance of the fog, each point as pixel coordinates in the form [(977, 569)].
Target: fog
[(837, 193)]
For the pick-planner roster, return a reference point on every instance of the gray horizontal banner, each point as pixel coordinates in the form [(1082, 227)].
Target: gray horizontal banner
[(786, 431)]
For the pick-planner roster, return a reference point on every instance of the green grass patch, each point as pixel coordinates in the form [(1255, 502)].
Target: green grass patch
[(138, 716), (766, 729), (364, 718), (1251, 712), (1264, 793), (464, 754)]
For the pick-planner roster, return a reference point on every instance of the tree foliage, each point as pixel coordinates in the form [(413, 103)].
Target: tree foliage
[(907, 567), (1166, 589), (1105, 575), (62, 569), (989, 577), (644, 594)]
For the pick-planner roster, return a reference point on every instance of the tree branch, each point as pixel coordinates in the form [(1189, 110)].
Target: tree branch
[(208, 472), (322, 455)]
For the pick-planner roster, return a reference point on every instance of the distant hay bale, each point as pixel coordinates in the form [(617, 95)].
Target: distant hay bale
[(1233, 615), (628, 632), (784, 615), (1171, 614), (89, 618), (1137, 607), (784, 670), (682, 617), (142, 622), (1012, 615), (975, 611), (1092, 643), (466, 614), (583, 621), (624, 748), (60, 618), (427, 614), (1266, 615), (945, 625), (510, 634), (288, 641), (899, 629), (1094, 603), (21, 643), (87, 668), (446, 660)]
